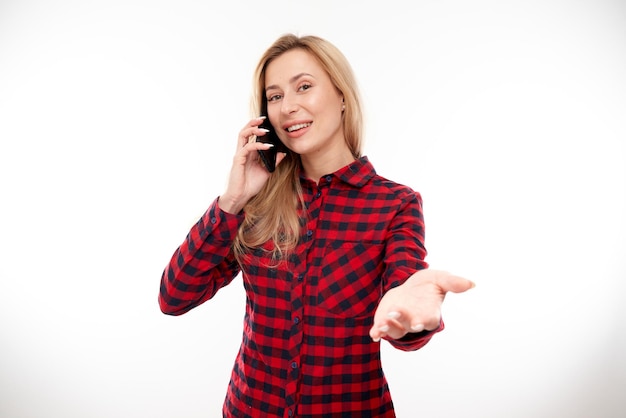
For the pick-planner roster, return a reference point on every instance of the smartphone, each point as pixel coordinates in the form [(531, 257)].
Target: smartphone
[(268, 156)]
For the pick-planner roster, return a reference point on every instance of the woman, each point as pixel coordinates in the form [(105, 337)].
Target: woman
[(325, 245)]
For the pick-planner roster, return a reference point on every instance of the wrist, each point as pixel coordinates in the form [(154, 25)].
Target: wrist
[(230, 205), (420, 277)]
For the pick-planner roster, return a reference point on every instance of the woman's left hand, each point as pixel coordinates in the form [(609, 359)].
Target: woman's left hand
[(415, 306)]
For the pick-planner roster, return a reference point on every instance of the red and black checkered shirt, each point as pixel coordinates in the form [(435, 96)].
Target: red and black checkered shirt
[(306, 349)]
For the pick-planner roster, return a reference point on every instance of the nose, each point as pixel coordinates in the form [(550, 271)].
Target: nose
[(289, 104)]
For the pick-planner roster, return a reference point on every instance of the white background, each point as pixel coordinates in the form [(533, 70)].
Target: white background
[(118, 121)]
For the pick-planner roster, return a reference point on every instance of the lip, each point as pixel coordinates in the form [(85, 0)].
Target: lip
[(295, 122), (299, 132)]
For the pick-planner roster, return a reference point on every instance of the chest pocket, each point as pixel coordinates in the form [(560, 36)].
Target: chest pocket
[(350, 278)]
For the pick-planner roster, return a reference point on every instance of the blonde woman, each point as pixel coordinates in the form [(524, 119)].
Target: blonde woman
[(331, 253)]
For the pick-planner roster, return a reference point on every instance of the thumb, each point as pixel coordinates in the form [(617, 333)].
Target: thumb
[(451, 283), (280, 156)]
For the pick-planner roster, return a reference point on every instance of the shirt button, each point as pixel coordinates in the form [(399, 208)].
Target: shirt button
[(300, 277), (309, 233), (318, 194), (290, 413), (329, 178), (296, 320), (214, 220), (294, 365)]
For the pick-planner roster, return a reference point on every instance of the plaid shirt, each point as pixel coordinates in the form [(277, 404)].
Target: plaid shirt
[(306, 349)]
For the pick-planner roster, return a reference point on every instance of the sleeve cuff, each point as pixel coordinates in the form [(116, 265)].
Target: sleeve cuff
[(222, 224), (415, 340)]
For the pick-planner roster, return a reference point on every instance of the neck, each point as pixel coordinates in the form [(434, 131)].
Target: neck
[(316, 166)]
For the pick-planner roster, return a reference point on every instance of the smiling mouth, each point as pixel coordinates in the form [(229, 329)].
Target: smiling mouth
[(298, 127)]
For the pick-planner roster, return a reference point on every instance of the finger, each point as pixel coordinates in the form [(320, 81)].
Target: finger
[(375, 334), (390, 324), (255, 146), (398, 320), (250, 130), (398, 328), (378, 331), (280, 157), (418, 327), (398, 324), (254, 122), (258, 132), (249, 135), (426, 323), (248, 152), (455, 284), (414, 322)]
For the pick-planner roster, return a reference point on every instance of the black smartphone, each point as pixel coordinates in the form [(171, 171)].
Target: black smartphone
[(268, 156)]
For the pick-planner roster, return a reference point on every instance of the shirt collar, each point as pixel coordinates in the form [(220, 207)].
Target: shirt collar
[(356, 174)]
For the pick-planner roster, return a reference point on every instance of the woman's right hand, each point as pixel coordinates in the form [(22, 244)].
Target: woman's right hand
[(247, 174)]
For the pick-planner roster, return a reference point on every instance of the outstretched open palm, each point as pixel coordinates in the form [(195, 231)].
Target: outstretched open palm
[(415, 306)]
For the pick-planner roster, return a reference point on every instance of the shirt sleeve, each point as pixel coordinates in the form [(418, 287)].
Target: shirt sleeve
[(202, 264), (405, 254), (415, 340)]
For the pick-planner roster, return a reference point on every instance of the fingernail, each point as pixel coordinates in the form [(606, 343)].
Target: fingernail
[(376, 340), (384, 328), (417, 327), (269, 144), (262, 117), (393, 315), (264, 130)]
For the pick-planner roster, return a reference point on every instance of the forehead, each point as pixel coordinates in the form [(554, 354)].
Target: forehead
[(293, 63)]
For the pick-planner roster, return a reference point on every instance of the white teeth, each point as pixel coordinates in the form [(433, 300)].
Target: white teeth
[(298, 126)]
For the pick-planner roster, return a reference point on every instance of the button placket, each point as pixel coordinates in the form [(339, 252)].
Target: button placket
[(298, 267)]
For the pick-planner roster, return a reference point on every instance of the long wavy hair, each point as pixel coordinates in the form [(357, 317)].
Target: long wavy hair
[(271, 220)]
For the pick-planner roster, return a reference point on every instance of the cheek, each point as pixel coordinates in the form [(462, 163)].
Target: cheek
[(274, 117), (326, 107), (333, 113)]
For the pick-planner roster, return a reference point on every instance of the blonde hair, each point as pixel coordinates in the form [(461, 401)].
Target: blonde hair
[(272, 215)]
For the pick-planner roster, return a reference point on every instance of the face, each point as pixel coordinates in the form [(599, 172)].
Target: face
[(304, 106)]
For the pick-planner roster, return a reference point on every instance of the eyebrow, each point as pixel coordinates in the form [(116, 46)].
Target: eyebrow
[(291, 80)]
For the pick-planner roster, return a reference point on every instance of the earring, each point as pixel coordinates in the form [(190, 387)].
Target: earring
[(343, 107)]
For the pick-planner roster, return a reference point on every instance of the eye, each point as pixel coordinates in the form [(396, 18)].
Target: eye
[(304, 87), (274, 97)]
